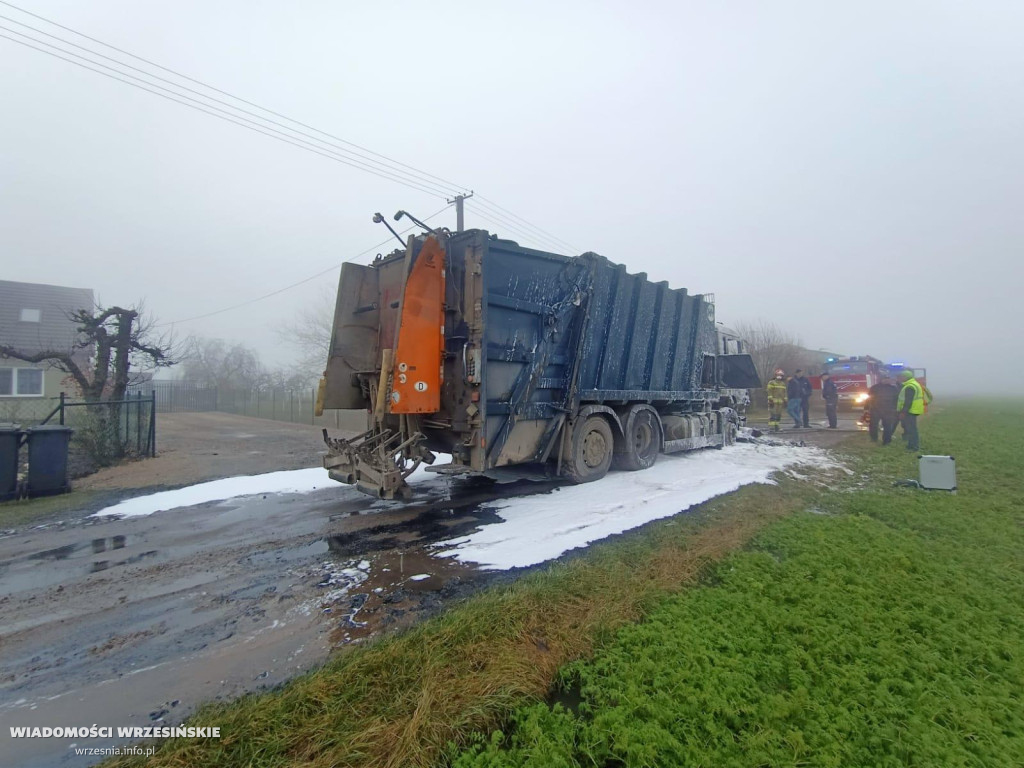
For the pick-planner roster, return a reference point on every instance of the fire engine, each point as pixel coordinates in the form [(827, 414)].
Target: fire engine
[(854, 376)]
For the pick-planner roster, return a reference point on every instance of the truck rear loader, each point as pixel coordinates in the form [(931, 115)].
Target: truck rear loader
[(519, 362)]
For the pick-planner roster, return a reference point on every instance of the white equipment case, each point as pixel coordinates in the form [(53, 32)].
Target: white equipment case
[(938, 472)]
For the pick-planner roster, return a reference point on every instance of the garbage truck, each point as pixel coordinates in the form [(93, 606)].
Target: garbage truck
[(520, 363)]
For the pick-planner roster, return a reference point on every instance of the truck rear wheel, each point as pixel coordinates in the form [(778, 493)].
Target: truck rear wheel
[(729, 431), (590, 453), (640, 445)]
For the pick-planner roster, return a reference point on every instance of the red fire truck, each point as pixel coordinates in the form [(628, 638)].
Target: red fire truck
[(854, 376)]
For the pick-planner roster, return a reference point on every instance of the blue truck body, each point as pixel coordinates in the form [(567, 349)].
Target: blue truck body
[(538, 349)]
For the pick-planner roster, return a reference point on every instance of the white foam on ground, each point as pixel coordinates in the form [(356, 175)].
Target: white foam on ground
[(291, 481), (545, 526)]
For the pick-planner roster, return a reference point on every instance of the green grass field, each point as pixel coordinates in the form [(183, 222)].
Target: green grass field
[(858, 624), (883, 628)]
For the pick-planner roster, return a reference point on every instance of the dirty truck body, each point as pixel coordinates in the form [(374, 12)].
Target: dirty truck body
[(518, 362)]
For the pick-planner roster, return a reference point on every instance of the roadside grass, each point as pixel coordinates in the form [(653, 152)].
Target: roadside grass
[(14, 514), (407, 699), (401, 700), (884, 627)]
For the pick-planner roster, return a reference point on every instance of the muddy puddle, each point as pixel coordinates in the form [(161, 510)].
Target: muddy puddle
[(143, 619)]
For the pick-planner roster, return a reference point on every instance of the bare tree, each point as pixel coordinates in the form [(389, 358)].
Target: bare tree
[(121, 341), (111, 348), (218, 363), (771, 347), (286, 379), (310, 334)]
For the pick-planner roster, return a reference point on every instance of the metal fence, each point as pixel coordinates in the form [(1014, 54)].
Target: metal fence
[(27, 412), (103, 431), (297, 406), (179, 396), (112, 428)]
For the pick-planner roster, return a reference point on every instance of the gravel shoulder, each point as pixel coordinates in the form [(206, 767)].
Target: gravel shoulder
[(193, 447)]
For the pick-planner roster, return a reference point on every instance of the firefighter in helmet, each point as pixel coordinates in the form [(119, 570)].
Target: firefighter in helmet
[(776, 392)]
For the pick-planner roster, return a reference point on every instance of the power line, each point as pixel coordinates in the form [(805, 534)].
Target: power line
[(501, 221), (507, 229), (218, 113), (300, 282), (412, 178), (451, 184), (492, 204), (416, 176)]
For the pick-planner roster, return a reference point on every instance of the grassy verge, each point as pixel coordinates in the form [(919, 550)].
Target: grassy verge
[(884, 627), (399, 702), (14, 514)]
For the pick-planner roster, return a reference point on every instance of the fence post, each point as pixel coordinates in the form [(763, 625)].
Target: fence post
[(62, 409), (138, 422), (152, 426)]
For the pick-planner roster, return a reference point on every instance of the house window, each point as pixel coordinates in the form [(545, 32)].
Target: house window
[(31, 315), (21, 382)]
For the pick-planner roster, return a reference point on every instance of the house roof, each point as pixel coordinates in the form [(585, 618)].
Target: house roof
[(45, 326)]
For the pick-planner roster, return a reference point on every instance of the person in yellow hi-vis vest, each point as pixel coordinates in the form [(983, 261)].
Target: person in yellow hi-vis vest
[(776, 392), (910, 405)]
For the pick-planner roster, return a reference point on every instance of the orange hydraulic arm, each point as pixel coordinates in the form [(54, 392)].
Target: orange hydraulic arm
[(417, 373)]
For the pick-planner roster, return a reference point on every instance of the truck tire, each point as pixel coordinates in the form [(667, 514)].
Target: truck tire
[(729, 433), (590, 451), (641, 443)]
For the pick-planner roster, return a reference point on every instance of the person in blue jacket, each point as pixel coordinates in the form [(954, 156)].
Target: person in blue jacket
[(805, 397), (794, 394)]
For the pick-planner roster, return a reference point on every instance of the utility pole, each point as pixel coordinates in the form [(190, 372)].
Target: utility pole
[(460, 216)]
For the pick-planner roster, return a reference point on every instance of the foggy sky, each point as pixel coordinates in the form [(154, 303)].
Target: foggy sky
[(852, 172)]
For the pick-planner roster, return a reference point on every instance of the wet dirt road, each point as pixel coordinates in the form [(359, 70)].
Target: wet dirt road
[(134, 622)]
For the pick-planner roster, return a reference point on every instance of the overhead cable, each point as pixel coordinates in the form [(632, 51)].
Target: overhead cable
[(504, 223), (491, 204), (449, 184), (303, 281), (334, 146), (209, 109), (412, 177)]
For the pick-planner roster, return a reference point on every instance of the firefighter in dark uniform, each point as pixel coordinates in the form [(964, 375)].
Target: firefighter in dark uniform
[(881, 407)]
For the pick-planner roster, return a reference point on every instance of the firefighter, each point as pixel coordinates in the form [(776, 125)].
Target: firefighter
[(776, 392), (881, 408), (910, 405)]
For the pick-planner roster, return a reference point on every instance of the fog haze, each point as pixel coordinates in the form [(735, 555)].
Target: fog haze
[(850, 172)]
